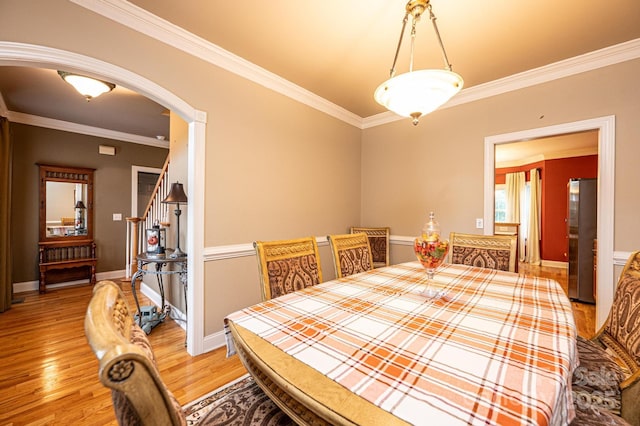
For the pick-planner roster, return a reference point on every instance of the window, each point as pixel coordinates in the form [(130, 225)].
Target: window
[(501, 204), (500, 208)]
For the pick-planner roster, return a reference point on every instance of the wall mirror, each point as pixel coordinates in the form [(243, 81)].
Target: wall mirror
[(66, 203)]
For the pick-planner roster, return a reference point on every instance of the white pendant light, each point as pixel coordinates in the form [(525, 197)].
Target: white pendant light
[(416, 93), (88, 87)]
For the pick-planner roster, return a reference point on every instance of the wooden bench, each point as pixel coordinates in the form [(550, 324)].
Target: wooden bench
[(73, 256)]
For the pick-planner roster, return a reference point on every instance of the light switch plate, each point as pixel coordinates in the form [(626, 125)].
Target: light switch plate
[(117, 216), (479, 223)]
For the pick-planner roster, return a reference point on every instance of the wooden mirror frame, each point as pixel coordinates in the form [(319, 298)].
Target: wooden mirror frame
[(49, 173)]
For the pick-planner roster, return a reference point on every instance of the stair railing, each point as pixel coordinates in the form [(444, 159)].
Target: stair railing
[(155, 213)]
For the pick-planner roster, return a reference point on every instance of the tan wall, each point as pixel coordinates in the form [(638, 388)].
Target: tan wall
[(277, 169), (112, 179), (439, 164)]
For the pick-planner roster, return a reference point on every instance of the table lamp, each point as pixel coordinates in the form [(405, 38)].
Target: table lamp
[(80, 208), (176, 196)]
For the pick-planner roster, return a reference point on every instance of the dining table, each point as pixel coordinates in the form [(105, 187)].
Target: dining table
[(498, 348)]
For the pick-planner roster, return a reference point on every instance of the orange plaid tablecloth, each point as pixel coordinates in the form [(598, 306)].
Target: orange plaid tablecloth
[(499, 349)]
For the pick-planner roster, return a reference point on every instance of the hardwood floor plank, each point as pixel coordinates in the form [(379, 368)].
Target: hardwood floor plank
[(584, 313), (49, 375)]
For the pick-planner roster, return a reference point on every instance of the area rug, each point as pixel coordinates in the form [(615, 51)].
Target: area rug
[(240, 402)]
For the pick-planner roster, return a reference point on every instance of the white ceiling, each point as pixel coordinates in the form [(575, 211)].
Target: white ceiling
[(42, 92), (549, 148), (342, 50)]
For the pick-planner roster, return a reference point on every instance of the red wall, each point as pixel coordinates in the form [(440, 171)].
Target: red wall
[(555, 175)]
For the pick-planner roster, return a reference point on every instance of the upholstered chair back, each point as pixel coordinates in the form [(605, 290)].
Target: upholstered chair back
[(622, 328), (485, 251), (287, 265), (608, 377), (379, 243), (351, 253)]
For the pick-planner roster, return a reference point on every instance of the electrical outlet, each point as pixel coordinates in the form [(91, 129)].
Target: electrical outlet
[(479, 223), (117, 216)]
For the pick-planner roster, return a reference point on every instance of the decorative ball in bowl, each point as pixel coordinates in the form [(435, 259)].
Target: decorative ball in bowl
[(431, 253)]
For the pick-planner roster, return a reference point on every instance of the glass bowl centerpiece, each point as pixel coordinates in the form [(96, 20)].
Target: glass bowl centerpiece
[(431, 251)]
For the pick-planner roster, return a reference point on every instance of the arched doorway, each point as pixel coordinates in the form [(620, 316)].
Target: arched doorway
[(20, 54)]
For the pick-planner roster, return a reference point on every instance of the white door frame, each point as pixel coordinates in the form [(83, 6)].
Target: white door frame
[(134, 185), (606, 191)]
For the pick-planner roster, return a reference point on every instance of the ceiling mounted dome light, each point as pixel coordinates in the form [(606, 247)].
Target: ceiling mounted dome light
[(416, 93), (88, 87)]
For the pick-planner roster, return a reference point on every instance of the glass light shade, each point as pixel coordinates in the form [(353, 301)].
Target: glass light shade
[(416, 93), (86, 86)]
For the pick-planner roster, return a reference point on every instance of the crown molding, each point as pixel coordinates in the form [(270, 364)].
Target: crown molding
[(66, 126), (611, 55), (138, 19)]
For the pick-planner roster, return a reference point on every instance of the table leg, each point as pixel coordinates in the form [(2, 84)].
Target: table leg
[(135, 295), (160, 285)]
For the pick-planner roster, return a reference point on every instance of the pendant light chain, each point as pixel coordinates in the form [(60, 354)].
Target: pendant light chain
[(447, 65), (413, 41), (392, 72)]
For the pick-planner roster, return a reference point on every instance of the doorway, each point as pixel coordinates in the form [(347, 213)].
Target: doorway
[(606, 188), (555, 160), (143, 181), (25, 54)]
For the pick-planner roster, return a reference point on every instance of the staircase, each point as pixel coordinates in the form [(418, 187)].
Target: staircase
[(156, 213)]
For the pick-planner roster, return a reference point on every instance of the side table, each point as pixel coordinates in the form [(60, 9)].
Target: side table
[(155, 265)]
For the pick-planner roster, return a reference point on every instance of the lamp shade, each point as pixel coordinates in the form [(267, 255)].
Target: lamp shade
[(80, 205), (176, 194), (87, 86), (417, 93)]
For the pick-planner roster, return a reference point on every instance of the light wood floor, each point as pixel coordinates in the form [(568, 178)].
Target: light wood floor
[(48, 374), (583, 313)]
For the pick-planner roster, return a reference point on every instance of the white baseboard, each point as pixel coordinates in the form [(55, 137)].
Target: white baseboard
[(554, 263), (214, 341), (26, 286)]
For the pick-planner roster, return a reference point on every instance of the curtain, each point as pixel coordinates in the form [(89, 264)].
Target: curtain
[(6, 285), (533, 236), (515, 188)]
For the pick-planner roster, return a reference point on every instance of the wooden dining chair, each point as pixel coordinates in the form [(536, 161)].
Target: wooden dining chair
[(608, 377), (287, 265), (486, 251), (379, 242), (127, 364), (509, 228), (351, 253)]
